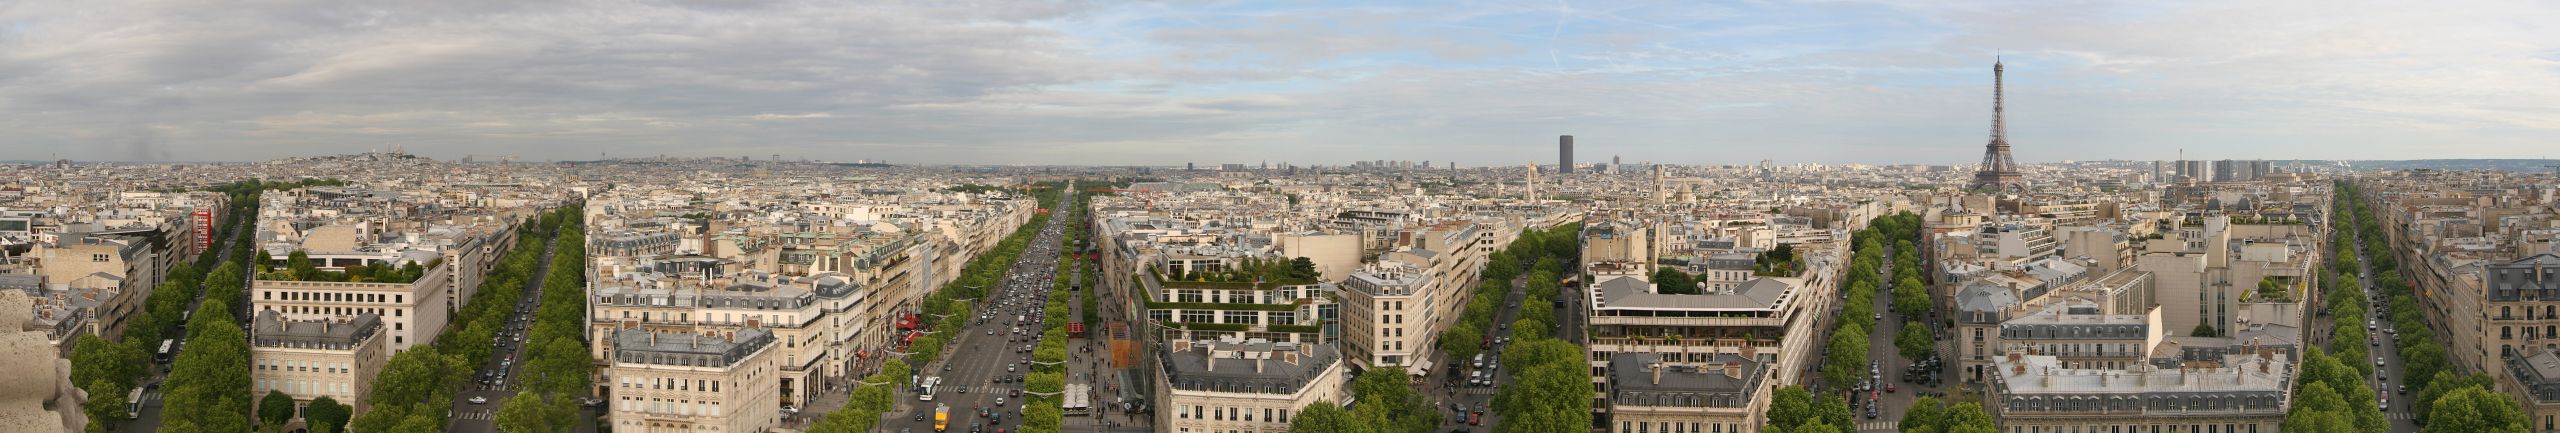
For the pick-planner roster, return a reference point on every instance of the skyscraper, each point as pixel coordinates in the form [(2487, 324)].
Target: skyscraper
[(1998, 171), (1564, 154)]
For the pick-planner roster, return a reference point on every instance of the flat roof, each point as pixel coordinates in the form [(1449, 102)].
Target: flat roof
[(1624, 292)]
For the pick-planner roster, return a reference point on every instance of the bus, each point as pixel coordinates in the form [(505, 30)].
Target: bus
[(1079, 400), (924, 389), (133, 404), (941, 417), (168, 350)]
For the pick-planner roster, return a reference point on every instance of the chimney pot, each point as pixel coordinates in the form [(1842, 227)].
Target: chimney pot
[(1657, 373)]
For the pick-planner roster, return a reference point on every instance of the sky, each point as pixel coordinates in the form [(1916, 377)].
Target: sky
[(1301, 82)]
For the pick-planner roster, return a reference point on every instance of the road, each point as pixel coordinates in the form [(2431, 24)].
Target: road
[(992, 347), (2384, 348), (1888, 359), (469, 417), (149, 419)]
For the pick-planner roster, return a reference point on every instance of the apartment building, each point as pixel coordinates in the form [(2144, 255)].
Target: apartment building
[(691, 383), (1722, 394), (2534, 376), (1387, 315), (334, 357), (2241, 392), (415, 312), (1243, 385), (797, 316)]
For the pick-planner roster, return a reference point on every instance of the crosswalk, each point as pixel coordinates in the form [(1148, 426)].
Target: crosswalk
[(1879, 426), (2397, 416), (482, 414), (942, 390)]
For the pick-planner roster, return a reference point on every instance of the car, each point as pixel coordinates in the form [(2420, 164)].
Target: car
[(2404, 389), (1016, 392), (1890, 388), (2377, 362), (964, 390), (919, 416), (999, 401), (2375, 342), (2385, 405), (1008, 368), (479, 400), (1879, 317), (787, 409), (984, 412)]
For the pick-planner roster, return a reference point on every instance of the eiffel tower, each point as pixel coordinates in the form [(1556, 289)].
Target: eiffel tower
[(1999, 173)]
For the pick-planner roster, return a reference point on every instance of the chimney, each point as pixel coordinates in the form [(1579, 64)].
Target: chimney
[(1657, 373), (653, 338), (1257, 365), (1750, 352), (1733, 370)]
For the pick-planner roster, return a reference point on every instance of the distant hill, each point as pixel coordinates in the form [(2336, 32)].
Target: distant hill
[(2517, 165)]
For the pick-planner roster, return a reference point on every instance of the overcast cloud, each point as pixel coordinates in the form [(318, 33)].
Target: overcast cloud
[(1479, 83)]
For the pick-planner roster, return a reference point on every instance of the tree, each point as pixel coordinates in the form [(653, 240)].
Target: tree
[(2202, 330), (1925, 415), (106, 402), (1968, 417), (1915, 342), (2477, 410), (275, 408), (1046, 418), (1831, 409), (1791, 406), (1817, 428), (2445, 383), (1328, 417), (1302, 267), (1383, 394), (326, 415), (1845, 360), (1674, 282), (1527, 329), (1461, 341)]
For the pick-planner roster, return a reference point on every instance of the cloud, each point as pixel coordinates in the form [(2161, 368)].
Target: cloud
[(1118, 83), (771, 116)]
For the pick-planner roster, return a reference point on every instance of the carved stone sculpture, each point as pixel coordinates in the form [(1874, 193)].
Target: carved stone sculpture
[(39, 402)]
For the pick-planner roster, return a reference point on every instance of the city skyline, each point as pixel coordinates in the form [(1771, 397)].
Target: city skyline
[(1145, 84)]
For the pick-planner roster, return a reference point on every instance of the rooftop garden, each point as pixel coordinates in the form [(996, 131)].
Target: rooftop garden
[(298, 267), (1778, 262), (2273, 289), (1250, 274)]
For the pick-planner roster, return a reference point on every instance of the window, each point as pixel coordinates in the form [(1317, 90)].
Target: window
[(102, 258)]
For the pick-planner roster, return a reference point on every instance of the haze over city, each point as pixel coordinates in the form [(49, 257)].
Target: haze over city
[(1116, 83), (807, 216)]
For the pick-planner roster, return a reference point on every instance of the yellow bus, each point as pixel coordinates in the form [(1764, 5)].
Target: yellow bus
[(941, 417)]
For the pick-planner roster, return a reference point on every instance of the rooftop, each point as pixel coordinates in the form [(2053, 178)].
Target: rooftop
[(687, 349), (1642, 379), (272, 330), (1632, 292), (1246, 366)]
